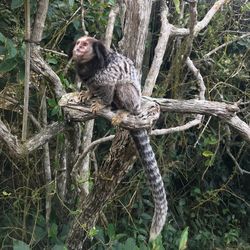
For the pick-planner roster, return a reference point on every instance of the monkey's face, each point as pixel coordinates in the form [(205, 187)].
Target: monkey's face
[(83, 50)]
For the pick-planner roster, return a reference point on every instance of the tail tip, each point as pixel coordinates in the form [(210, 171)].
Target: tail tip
[(155, 232), (153, 236)]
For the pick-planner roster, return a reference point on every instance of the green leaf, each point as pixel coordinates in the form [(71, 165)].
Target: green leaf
[(212, 141), (111, 231), (183, 240), (12, 51), (245, 7), (245, 42), (39, 233), (20, 245), (55, 110), (71, 3), (6, 193), (52, 102), (2, 38), (53, 231), (59, 247), (16, 4), (207, 153), (7, 65), (92, 232), (177, 6), (130, 244), (52, 61)]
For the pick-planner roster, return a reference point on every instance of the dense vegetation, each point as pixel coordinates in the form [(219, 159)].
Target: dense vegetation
[(208, 193)]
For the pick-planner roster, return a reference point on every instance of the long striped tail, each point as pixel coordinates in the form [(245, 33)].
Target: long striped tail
[(147, 156)]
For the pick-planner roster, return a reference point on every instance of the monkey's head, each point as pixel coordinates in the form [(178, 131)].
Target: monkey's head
[(87, 49)]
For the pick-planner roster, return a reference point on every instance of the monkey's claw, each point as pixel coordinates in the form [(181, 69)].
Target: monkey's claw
[(96, 106), (117, 119), (85, 96)]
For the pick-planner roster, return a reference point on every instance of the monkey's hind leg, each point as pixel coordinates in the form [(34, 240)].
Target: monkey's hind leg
[(127, 97)]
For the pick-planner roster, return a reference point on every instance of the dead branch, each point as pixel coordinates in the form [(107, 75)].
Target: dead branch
[(18, 149), (150, 112), (203, 23), (225, 45), (27, 71), (184, 127), (110, 26), (159, 51), (82, 112)]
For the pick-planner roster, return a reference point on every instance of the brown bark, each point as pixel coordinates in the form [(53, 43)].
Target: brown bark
[(118, 163)]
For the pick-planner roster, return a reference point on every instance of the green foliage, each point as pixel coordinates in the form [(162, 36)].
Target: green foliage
[(208, 198), (20, 245), (16, 4), (184, 239), (177, 6)]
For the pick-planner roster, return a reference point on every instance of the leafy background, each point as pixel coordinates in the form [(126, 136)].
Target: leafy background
[(209, 201)]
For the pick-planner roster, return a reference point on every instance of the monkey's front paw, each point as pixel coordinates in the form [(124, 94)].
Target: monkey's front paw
[(117, 119), (97, 106), (85, 96)]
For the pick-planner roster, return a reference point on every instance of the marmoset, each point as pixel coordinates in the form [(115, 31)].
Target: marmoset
[(113, 79)]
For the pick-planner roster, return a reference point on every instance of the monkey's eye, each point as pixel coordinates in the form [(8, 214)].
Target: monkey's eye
[(85, 44)]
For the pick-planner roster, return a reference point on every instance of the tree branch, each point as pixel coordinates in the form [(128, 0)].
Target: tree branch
[(225, 44), (37, 31), (77, 111), (203, 23), (18, 149), (159, 51), (27, 70), (110, 26), (150, 112)]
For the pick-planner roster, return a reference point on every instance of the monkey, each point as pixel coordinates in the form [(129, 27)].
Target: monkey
[(113, 79)]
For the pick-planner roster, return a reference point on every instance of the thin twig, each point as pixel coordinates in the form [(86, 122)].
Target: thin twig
[(83, 22), (46, 164), (27, 71), (225, 45), (86, 151), (184, 127)]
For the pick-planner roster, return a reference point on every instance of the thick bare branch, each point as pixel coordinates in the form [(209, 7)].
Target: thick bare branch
[(37, 31), (15, 147), (41, 67), (159, 52), (205, 21), (78, 111), (43, 136), (18, 149), (46, 162), (110, 26), (150, 112), (135, 30)]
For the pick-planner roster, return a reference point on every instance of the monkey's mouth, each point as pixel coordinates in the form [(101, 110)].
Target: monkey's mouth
[(78, 53), (78, 56)]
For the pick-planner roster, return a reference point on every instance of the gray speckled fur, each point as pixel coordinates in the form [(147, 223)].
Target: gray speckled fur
[(117, 82)]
